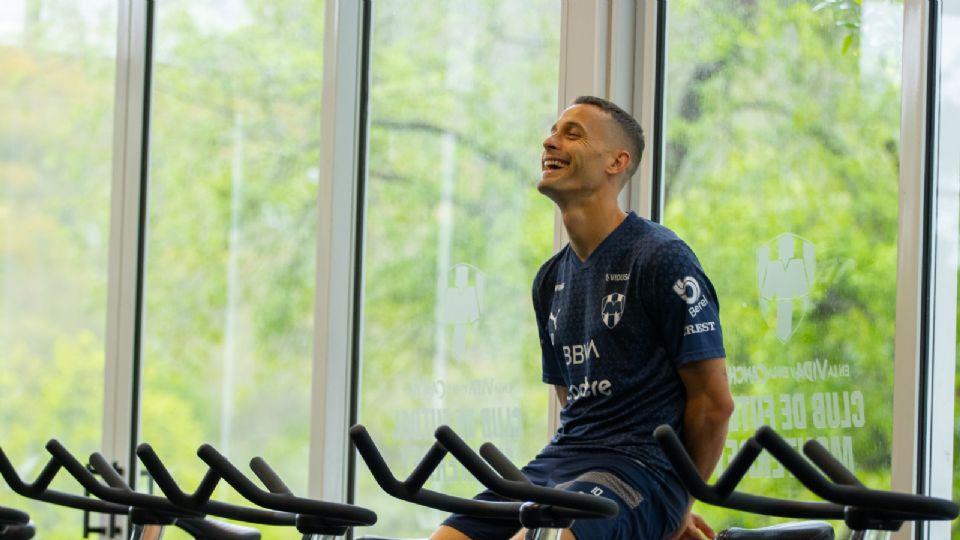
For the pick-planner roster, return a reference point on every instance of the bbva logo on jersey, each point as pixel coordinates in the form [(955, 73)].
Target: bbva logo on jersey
[(612, 309)]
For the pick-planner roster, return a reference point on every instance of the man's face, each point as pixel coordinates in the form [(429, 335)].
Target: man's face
[(578, 151)]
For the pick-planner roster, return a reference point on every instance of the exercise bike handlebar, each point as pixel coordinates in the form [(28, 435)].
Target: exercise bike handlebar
[(12, 516), (845, 493), (412, 490), (199, 500), (905, 506), (579, 505), (170, 488), (333, 513), (269, 477), (113, 494), (120, 493), (38, 489), (722, 493)]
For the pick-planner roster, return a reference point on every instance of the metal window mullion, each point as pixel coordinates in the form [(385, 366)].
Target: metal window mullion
[(910, 342), (125, 233), (337, 255), (940, 453), (648, 103)]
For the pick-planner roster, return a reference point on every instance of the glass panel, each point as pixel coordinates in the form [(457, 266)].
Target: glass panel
[(235, 144), (462, 94), (57, 65), (782, 123)]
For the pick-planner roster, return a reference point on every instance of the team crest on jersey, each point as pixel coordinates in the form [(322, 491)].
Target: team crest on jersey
[(612, 309)]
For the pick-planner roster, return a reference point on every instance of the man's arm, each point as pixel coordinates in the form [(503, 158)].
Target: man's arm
[(561, 394), (709, 406)]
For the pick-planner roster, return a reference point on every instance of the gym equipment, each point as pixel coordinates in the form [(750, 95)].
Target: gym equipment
[(545, 512), (197, 527), (149, 514), (861, 508), (15, 525), (317, 520)]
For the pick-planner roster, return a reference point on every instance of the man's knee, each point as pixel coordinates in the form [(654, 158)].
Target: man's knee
[(445, 532)]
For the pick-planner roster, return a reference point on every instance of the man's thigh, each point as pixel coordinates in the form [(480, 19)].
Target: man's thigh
[(650, 507)]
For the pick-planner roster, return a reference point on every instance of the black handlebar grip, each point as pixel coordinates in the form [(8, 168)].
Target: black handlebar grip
[(335, 513), (268, 476), (514, 489), (106, 470), (501, 463), (830, 465)]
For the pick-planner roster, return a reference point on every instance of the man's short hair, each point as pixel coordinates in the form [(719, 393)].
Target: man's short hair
[(629, 126)]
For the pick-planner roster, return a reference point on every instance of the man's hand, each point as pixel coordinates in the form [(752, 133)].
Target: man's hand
[(693, 527)]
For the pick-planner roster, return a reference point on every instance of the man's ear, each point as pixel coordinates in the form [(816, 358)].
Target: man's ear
[(620, 163)]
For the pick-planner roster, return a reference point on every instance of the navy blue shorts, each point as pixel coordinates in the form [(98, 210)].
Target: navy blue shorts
[(651, 503)]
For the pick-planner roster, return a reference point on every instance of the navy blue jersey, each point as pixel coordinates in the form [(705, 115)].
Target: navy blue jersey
[(614, 330)]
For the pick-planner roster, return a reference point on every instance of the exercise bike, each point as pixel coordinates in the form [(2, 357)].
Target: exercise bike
[(15, 525), (146, 524), (310, 518)]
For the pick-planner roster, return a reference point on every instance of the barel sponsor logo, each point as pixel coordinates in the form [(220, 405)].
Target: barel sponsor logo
[(689, 290), (699, 328), (578, 354), (590, 388), (618, 277), (695, 310)]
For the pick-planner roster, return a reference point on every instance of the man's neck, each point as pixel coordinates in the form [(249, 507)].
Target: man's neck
[(588, 225)]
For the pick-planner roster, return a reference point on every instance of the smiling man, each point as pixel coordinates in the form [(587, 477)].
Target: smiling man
[(630, 338)]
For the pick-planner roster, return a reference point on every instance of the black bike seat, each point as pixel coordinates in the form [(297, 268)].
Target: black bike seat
[(796, 530), (216, 530)]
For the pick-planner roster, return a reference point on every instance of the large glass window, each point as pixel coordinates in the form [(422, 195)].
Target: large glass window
[(230, 271), (57, 64), (462, 94), (782, 139)]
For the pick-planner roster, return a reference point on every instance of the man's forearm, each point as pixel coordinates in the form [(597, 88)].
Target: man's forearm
[(705, 432)]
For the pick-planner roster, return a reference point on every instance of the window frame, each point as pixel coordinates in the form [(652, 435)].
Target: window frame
[(609, 48)]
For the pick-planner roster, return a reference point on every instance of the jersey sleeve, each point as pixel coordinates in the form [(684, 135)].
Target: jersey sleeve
[(552, 373), (682, 305)]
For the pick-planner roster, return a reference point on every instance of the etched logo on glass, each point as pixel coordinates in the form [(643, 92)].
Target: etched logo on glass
[(785, 271), (462, 303)]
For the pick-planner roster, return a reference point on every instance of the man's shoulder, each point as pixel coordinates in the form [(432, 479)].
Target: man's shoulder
[(649, 241), (551, 264)]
